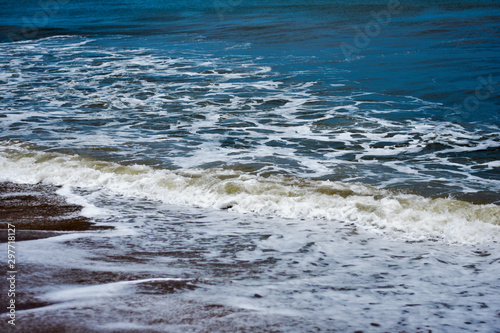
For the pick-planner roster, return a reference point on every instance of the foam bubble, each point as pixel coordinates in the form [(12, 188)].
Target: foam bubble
[(399, 215)]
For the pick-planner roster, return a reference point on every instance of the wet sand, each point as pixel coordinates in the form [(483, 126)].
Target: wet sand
[(38, 211), (157, 271)]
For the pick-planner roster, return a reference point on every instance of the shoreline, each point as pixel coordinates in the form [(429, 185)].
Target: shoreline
[(37, 211)]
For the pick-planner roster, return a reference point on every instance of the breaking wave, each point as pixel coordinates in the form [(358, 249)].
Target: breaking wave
[(401, 215)]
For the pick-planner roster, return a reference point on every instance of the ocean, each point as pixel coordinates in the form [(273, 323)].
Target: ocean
[(255, 166)]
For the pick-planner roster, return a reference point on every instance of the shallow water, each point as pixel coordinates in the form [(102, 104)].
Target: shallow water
[(170, 269)]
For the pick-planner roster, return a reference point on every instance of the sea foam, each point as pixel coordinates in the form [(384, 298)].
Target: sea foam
[(395, 214)]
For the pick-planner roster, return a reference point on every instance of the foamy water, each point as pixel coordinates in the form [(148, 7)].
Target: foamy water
[(234, 271), (401, 215), (257, 177), (203, 110)]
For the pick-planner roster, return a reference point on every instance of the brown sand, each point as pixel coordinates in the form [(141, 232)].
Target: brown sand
[(37, 211)]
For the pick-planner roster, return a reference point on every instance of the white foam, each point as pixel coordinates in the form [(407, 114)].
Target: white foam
[(88, 210), (399, 215), (215, 89), (494, 164), (101, 290)]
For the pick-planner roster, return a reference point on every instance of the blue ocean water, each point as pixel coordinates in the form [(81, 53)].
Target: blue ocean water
[(401, 94), (334, 118)]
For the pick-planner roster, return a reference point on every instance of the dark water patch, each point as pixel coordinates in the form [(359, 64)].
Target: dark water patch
[(159, 287), (335, 122), (174, 254), (19, 33), (124, 258), (480, 197)]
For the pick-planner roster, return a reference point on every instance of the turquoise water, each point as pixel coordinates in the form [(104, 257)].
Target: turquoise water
[(318, 131)]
